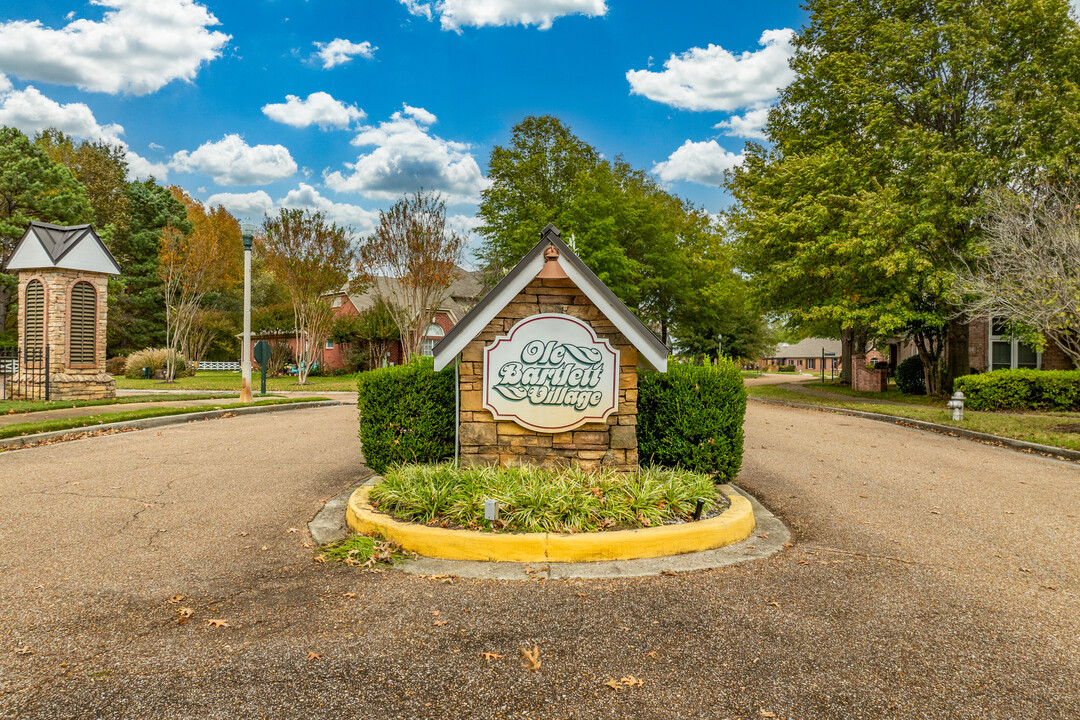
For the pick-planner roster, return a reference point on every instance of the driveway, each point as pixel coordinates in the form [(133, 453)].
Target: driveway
[(930, 578)]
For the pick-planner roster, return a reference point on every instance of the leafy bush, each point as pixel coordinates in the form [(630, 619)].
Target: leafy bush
[(533, 499), (691, 417), (153, 358), (406, 414), (116, 365), (910, 377), (1021, 390), (787, 368)]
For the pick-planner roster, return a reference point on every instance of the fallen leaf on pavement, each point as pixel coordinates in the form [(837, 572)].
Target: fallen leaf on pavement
[(216, 623), (491, 655), (349, 595), (312, 655), (24, 651), (775, 603), (531, 659), (292, 530), (934, 512), (435, 613), (613, 684), (582, 594), (668, 572), (765, 713), (176, 598), (789, 544), (631, 681), (438, 623), (763, 535), (182, 615)]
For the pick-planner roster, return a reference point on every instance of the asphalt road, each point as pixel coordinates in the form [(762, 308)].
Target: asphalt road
[(930, 578)]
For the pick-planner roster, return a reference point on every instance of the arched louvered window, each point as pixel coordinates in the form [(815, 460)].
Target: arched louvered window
[(34, 314), (83, 324)]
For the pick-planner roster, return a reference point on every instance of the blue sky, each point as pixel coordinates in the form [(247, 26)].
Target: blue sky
[(344, 105)]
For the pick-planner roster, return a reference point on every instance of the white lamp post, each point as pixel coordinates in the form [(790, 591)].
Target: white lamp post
[(247, 232)]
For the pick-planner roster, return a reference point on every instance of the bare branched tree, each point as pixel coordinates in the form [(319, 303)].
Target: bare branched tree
[(193, 263), (1029, 271), (411, 261), (311, 257)]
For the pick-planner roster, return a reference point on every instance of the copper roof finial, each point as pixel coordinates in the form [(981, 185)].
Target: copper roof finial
[(552, 269)]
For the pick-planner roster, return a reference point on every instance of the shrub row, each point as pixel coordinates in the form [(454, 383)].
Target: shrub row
[(1021, 390), (689, 418)]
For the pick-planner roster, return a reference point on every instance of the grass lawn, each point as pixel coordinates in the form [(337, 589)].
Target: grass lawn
[(893, 393), (30, 428), (226, 380), (29, 406), (535, 499), (1058, 429)]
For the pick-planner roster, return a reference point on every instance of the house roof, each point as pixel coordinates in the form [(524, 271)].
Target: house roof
[(808, 348), (651, 351), (70, 247), (460, 296)]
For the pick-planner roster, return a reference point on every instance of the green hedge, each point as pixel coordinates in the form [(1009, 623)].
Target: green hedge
[(688, 418), (691, 417), (406, 414), (1021, 390), (910, 377)]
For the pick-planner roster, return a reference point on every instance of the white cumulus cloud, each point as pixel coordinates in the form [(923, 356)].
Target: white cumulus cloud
[(750, 125), (306, 197), (700, 162), (339, 51), (231, 161), (252, 205), (319, 108), (405, 157), (713, 78), (137, 47), (31, 112), (456, 14)]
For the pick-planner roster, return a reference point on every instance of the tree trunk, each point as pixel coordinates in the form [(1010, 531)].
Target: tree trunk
[(847, 341), (957, 354)]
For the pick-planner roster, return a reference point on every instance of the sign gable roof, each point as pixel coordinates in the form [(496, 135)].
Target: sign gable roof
[(44, 245), (651, 351)]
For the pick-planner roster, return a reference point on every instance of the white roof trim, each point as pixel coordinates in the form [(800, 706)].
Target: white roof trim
[(501, 297), (651, 351)]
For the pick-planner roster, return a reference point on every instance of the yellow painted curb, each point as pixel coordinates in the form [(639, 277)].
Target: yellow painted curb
[(733, 525)]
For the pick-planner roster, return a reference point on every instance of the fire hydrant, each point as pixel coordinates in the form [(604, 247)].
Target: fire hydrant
[(957, 405)]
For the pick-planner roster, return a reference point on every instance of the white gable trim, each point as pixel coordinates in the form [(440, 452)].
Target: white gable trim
[(651, 352), (502, 295)]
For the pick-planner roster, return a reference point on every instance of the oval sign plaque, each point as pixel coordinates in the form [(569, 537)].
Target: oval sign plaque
[(551, 374)]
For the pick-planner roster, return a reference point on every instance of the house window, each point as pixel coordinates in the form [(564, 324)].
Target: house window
[(336, 302), (1009, 353), (34, 324), (432, 336), (810, 364), (329, 344), (82, 324)]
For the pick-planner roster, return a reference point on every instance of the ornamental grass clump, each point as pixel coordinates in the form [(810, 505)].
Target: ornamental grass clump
[(534, 499)]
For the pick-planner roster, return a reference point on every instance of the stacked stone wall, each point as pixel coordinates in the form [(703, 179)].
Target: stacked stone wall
[(485, 441)]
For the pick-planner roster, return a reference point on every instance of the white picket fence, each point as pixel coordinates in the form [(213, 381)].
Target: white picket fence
[(213, 365)]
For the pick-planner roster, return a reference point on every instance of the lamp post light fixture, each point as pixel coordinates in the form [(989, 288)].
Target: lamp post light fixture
[(247, 233)]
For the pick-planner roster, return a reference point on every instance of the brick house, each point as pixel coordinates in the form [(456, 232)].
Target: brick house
[(459, 299), (987, 348), (806, 355)]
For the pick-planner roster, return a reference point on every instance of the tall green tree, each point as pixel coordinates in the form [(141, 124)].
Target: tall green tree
[(902, 115), (32, 187), (102, 169), (136, 317), (639, 239)]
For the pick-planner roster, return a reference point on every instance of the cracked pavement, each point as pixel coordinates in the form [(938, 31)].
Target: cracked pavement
[(930, 577)]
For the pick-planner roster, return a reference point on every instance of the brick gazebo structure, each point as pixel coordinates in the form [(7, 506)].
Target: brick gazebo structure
[(63, 290)]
